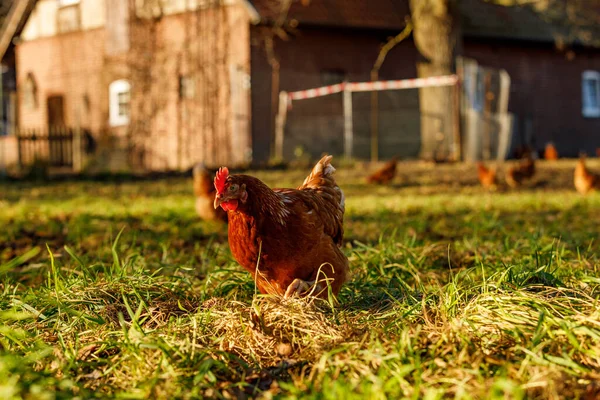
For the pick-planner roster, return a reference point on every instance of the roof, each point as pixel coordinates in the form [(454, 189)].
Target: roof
[(480, 18), (533, 22), (375, 14), (14, 22)]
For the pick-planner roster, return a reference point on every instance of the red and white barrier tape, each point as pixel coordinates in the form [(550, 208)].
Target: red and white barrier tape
[(445, 80), (317, 92)]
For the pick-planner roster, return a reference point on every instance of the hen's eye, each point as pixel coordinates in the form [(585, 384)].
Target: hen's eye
[(233, 188)]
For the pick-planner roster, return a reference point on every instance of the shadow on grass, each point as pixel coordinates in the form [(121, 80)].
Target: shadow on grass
[(110, 191)]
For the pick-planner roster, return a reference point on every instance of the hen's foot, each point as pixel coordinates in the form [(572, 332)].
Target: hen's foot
[(299, 287)]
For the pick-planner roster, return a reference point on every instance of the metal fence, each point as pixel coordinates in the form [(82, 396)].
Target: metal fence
[(58, 146), (339, 118)]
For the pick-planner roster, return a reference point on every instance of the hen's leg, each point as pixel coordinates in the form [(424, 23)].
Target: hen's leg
[(300, 287)]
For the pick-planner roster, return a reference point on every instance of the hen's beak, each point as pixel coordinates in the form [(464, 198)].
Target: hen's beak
[(218, 200)]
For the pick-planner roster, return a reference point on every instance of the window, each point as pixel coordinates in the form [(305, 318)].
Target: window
[(147, 9), (590, 94), (187, 87), (332, 76), (68, 16), (119, 102), (30, 93)]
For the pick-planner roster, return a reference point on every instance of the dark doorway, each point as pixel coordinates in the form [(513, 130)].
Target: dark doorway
[(56, 111), (60, 138)]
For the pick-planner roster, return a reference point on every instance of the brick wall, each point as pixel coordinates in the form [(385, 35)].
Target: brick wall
[(176, 132), (201, 46), (68, 65)]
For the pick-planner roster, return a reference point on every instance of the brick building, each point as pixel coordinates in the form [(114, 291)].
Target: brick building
[(155, 84)]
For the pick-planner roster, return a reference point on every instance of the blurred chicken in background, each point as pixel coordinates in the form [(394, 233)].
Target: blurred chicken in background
[(550, 152), (204, 191), (583, 179), (385, 174), (516, 174), (486, 176)]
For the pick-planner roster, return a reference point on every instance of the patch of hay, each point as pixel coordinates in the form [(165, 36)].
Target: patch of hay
[(273, 329)]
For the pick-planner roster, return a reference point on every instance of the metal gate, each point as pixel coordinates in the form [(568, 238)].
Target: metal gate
[(54, 146), (486, 122)]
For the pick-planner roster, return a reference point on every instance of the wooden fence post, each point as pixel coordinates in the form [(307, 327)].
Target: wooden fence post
[(77, 156), (77, 146), (280, 125), (17, 134), (457, 136), (348, 128)]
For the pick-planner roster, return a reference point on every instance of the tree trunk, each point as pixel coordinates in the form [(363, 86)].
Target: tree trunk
[(437, 38)]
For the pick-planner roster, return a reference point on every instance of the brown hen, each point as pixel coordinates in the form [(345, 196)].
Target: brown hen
[(516, 174), (385, 174), (204, 191), (486, 176), (550, 152), (583, 179), (288, 239)]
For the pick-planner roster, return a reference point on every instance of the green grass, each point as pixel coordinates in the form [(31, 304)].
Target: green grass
[(118, 290)]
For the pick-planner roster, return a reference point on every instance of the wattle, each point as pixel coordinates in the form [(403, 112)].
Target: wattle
[(230, 205)]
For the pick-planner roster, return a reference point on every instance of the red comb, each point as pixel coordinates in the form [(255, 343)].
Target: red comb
[(220, 179)]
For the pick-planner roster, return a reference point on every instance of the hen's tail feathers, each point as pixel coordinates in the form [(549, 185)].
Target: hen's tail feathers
[(328, 198), (321, 179), (322, 170)]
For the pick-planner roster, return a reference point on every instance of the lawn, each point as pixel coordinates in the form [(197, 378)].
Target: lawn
[(117, 289)]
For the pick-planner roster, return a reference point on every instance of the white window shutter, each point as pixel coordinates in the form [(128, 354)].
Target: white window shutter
[(115, 89), (590, 94)]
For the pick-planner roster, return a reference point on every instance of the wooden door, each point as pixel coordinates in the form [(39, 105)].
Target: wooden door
[(56, 111)]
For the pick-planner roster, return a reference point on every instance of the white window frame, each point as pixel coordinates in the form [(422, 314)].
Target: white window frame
[(114, 89), (72, 6), (187, 87), (66, 3), (589, 110)]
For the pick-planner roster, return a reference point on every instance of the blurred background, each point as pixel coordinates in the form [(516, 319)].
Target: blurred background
[(160, 85)]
